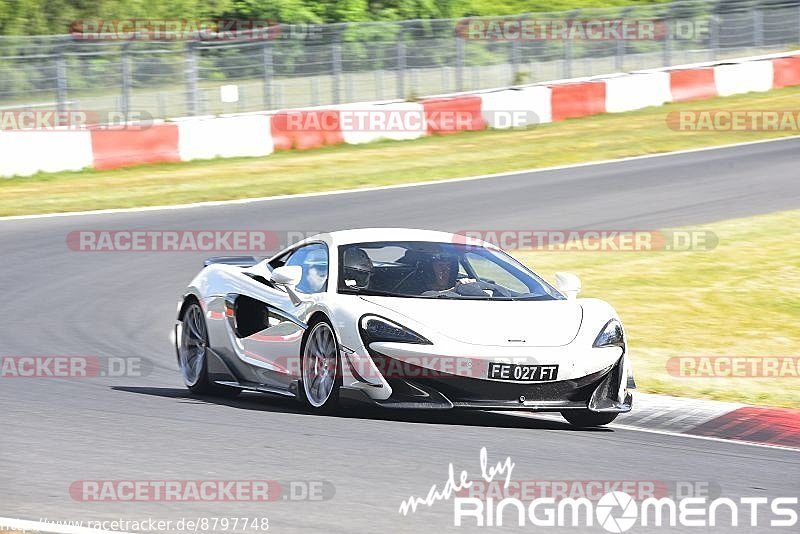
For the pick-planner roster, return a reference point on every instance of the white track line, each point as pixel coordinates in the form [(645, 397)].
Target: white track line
[(389, 187), (9, 523)]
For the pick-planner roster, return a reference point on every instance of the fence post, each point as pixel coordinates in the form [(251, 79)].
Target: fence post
[(126, 80), (568, 46), (619, 58), (336, 52), (713, 37), (266, 53), (61, 80), (191, 78), (459, 63), (667, 59), (401, 69), (758, 26), (378, 77), (514, 62)]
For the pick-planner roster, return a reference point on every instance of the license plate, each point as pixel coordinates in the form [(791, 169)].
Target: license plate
[(522, 373)]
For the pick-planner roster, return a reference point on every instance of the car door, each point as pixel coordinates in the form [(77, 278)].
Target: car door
[(270, 325)]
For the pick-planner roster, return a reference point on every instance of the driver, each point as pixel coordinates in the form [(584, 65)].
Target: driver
[(441, 275)]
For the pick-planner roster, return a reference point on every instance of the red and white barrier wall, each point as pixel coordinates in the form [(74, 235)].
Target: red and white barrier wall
[(251, 135), (224, 137)]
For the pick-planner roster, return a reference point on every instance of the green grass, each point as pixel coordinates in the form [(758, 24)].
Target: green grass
[(741, 298), (339, 167)]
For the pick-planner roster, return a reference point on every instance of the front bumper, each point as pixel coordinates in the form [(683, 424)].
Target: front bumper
[(420, 388)]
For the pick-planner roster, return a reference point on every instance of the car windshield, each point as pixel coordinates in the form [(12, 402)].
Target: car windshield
[(437, 270)]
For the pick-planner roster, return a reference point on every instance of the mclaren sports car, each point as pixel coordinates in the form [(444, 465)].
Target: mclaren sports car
[(402, 319)]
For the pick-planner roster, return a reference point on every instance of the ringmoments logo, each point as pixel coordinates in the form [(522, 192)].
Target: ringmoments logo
[(615, 511)]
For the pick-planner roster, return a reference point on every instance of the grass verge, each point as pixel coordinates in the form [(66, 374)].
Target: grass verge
[(741, 298), (587, 139)]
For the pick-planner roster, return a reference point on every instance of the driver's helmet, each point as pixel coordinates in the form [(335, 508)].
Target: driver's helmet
[(356, 267), (441, 271)]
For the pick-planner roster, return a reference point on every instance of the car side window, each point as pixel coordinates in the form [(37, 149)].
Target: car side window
[(314, 261)]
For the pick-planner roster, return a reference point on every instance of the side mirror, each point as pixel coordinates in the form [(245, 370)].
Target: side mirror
[(288, 275), (569, 284)]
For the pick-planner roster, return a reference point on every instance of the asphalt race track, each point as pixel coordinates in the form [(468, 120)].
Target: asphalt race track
[(61, 302)]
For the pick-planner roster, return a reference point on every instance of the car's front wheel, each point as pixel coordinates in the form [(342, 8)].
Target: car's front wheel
[(320, 368), (586, 418)]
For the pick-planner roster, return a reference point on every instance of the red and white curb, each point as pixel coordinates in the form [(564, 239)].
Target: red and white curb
[(764, 425), (708, 419)]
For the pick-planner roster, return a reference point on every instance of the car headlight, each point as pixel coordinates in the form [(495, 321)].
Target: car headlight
[(611, 335), (375, 328)]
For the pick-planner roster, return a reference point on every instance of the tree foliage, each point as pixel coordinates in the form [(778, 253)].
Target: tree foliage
[(38, 17)]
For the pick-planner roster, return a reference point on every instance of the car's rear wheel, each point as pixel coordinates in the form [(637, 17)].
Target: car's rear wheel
[(586, 418), (193, 354), (321, 375)]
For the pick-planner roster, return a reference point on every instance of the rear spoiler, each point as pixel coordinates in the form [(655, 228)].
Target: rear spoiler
[(238, 261)]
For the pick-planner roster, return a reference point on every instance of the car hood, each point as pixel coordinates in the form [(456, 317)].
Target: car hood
[(550, 323)]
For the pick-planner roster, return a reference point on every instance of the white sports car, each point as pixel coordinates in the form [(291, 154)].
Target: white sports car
[(402, 318)]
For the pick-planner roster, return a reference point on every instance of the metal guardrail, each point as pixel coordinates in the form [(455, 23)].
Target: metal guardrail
[(339, 63)]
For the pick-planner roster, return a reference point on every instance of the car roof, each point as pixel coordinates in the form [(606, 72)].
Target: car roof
[(369, 235), (372, 235)]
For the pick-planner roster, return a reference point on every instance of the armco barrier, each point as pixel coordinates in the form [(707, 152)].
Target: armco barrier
[(402, 121), (752, 76), (451, 115), (692, 84), (637, 91), (122, 147), (786, 72), (225, 137), (572, 100), (533, 103), (304, 129), (23, 153)]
